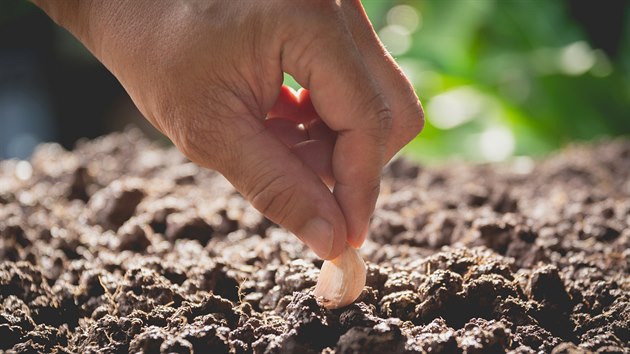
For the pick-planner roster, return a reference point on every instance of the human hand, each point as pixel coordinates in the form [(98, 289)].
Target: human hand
[(206, 73)]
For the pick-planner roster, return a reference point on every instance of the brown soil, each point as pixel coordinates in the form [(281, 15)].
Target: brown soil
[(123, 246)]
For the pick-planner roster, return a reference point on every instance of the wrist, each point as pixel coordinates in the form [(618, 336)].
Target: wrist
[(65, 13), (82, 18)]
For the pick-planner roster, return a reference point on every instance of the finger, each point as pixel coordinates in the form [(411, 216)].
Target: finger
[(307, 111), (279, 185), (286, 105), (315, 146), (318, 130), (317, 154), (407, 113), (286, 130), (350, 103)]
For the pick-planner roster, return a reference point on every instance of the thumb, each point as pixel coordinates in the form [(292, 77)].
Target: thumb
[(284, 189)]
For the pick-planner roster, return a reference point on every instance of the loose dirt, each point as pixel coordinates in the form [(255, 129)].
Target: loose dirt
[(125, 246)]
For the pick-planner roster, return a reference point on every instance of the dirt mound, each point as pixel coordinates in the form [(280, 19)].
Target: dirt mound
[(123, 246)]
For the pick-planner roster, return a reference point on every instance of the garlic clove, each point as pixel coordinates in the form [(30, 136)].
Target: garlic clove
[(341, 280)]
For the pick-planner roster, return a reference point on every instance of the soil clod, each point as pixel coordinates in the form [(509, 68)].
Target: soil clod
[(112, 249)]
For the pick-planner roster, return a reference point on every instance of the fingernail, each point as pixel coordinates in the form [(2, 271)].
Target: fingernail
[(318, 235), (357, 241)]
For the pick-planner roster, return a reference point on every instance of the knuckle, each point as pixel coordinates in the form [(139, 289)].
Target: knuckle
[(415, 118), (384, 119), (383, 112), (409, 122), (381, 124)]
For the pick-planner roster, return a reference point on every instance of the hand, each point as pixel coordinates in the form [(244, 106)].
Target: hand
[(206, 73)]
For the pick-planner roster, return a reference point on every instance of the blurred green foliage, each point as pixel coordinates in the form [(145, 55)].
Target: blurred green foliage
[(503, 78)]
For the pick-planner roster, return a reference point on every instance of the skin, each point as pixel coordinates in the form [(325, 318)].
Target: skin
[(208, 74)]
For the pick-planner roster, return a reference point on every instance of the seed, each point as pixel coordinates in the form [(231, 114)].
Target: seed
[(341, 280)]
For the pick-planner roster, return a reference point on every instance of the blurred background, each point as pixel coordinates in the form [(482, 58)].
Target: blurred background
[(497, 78)]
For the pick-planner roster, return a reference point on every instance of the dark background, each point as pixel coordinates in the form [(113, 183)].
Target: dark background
[(497, 78)]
